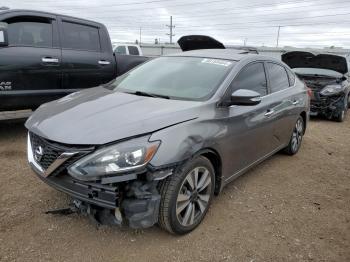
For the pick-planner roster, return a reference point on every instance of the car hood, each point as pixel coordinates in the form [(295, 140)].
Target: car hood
[(98, 116), (195, 42), (298, 59)]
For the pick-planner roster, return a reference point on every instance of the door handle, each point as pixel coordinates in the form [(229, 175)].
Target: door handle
[(104, 62), (50, 60), (295, 102), (269, 113)]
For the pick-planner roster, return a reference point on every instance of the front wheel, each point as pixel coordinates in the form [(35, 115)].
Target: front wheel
[(340, 115), (186, 196), (297, 137)]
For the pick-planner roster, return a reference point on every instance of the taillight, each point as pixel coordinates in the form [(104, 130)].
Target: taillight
[(309, 92)]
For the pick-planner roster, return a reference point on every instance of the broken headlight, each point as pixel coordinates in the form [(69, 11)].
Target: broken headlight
[(331, 90), (110, 160)]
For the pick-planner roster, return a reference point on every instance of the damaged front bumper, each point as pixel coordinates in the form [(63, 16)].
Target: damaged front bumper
[(129, 199), (134, 203), (328, 106)]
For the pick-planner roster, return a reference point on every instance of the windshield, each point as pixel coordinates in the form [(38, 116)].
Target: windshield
[(187, 78), (317, 71)]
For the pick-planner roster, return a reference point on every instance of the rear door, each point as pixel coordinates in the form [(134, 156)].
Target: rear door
[(85, 63), (31, 64), (284, 102)]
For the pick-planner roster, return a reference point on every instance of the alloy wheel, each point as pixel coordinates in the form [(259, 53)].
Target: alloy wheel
[(193, 197), (297, 135)]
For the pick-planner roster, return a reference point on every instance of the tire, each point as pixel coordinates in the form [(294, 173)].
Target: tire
[(340, 115), (296, 138), (184, 203)]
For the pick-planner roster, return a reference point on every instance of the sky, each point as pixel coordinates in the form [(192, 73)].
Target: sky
[(301, 23)]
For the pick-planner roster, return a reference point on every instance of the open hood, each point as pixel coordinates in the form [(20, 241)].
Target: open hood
[(195, 42), (298, 59)]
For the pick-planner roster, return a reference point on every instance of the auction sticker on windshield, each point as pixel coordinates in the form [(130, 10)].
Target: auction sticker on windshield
[(216, 62)]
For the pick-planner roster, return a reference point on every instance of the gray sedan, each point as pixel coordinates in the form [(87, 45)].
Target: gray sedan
[(156, 144)]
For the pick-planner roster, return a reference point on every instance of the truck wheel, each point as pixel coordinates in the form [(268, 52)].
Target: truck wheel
[(186, 196), (297, 137)]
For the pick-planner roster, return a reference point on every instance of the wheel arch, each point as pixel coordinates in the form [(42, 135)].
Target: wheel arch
[(304, 116), (213, 156)]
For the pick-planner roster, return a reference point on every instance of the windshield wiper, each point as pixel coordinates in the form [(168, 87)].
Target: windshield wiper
[(141, 93)]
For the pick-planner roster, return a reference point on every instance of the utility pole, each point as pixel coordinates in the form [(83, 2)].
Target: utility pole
[(278, 35), (171, 26), (140, 35)]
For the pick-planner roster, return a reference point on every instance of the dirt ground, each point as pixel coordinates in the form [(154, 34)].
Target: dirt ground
[(286, 209)]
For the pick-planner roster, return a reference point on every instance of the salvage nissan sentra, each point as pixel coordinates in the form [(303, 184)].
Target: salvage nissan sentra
[(157, 143)]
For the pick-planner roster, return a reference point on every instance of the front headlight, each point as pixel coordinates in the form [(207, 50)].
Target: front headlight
[(115, 159), (331, 90)]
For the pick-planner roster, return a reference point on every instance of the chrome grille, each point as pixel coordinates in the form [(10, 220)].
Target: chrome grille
[(52, 151)]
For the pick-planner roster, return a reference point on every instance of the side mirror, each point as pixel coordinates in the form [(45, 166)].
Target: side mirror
[(3, 35), (245, 97)]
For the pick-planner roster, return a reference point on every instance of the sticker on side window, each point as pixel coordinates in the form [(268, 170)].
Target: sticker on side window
[(216, 62)]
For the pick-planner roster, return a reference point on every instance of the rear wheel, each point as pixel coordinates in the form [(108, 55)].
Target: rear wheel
[(297, 137), (186, 196)]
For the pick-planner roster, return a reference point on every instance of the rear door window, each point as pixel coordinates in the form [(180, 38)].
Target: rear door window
[(133, 50), (252, 77), (278, 77), (30, 32), (80, 37)]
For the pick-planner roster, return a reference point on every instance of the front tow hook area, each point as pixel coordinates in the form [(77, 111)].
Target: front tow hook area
[(98, 216), (138, 209)]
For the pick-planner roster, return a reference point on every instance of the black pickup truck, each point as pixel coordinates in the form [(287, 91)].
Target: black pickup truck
[(45, 56)]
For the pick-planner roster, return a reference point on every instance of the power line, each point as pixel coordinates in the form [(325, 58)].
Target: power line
[(234, 25), (274, 20), (252, 27), (200, 4), (231, 13)]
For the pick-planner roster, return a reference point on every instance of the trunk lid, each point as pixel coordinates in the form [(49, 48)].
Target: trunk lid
[(195, 42), (301, 59)]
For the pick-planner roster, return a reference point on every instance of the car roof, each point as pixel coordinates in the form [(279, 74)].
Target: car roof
[(226, 54)]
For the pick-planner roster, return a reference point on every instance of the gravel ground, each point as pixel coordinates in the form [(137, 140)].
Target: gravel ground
[(286, 209)]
